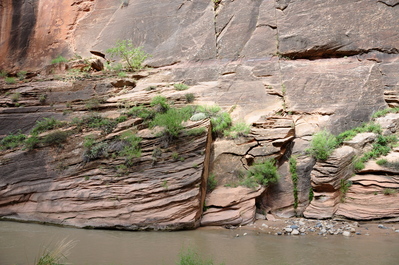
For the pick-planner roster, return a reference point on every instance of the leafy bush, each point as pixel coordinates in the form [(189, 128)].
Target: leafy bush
[(21, 75), (294, 177), (322, 145), (132, 146), (221, 122), (10, 80), (172, 120), (366, 127), (3, 73), (190, 97), (132, 56), (196, 131), (261, 173), (59, 59), (344, 187), (95, 121), (388, 191), (180, 86), (384, 112), (382, 162), (31, 142), (160, 103), (95, 150), (12, 141), (93, 103), (122, 74), (55, 138), (141, 112), (46, 124), (238, 129)]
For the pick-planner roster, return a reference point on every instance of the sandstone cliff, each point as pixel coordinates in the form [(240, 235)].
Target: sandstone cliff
[(288, 68)]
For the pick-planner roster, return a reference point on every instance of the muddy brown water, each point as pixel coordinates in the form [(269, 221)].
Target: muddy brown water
[(22, 243)]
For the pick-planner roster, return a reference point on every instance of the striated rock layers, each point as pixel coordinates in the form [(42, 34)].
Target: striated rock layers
[(287, 68)]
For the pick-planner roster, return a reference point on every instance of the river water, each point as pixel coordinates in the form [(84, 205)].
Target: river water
[(22, 243)]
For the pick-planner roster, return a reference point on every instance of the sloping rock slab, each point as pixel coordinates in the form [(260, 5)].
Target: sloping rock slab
[(231, 206)]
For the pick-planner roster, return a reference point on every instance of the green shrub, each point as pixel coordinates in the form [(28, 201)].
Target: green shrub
[(172, 120), (344, 187), (141, 112), (238, 129), (358, 165), (21, 75), (42, 98), (311, 194), (294, 177), (3, 74), (89, 141), (365, 127), (160, 103), (31, 142), (131, 148), (220, 122), (122, 74), (121, 118), (190, 97), (382, 162), (384, 112), (10, 80), (12, 141), (93, 103), (180, 86), (389, 191), (322, 145), (59, 59), (261, 173), (132, 56), (46, 124), (55, 138), (212, 183), (96, 121), (198, 116), (95, 150)]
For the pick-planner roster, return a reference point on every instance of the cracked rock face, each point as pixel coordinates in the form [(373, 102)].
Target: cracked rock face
[(287, 68)]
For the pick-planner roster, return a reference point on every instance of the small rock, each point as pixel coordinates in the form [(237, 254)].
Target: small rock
[(288, 229), (382, 227), (270, 217), (295, 232), (346, 233), (245, 234), (265, 225), (323, 231), (301, 223), (353, 230), (237, 235), (294, 226), (358, 233), (279, 233), (302, 230)]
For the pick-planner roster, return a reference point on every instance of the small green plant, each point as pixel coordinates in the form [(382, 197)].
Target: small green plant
[(10, 80), (132, 56), (57, 255), (294, 177), (344, 187), (190, 97), (95, 150), (96, 121), (172, 120), (220, 123), (212, 183), (15, 97), (59, 59), (322, 145), (311, 194), (131, 147), (389, 191), (165, 184), (180, 86), (42, 98), (381, 113), (12, 141), (238, 129), (175, 156), (160, 103), (122, 170), (382, 162), (141, 112), (55, 138), (261, 174), (122, 74), (365, 127), (3, 74), (46, 124), (93, 103), (21, 75), (31, 142), (196, 131)]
